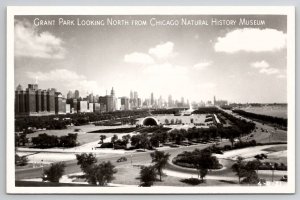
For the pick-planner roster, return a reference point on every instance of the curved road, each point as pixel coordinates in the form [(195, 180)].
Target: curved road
[(136, 157)]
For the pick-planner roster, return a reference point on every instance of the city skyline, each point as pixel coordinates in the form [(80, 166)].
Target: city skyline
[(191, 62)]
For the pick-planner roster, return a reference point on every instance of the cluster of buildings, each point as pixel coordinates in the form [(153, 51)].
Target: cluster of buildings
[(220, 102), (33, 101), (36, 102)]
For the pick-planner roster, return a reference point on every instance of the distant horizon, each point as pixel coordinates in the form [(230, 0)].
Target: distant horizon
[(155, 97), (232, 62)]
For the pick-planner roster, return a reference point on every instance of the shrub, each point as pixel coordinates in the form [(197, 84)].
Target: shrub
[(107, 145), (191, 181), (227, 147), (20, 160), (54, 173)]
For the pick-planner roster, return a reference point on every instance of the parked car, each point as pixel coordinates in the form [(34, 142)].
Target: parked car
[(122, 159), (140, 150), (284, 178)]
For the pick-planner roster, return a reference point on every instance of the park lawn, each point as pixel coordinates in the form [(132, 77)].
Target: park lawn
[(84, 136), (276, 148), (129, 175)]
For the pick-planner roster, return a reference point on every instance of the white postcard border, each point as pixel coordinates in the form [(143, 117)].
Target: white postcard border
[(150, 10)]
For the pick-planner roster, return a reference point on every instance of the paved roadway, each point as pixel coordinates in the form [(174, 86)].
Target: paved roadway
[(136, 157)]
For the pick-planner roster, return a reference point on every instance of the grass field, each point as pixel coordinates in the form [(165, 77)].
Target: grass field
[(83, 135)]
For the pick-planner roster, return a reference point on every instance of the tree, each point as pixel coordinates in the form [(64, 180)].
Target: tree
[(147, 176), (23, 139), (114, 138), (203, 172), (160, 159), (101, 174), (154, 140), (253, 165), (102, 137), (251, 178), (167, 121), (85, 161), (20, 160), (54, 172), (126, 138), (202, 161), (144, 142), (239, 168), (247, 170), (140, 141), (17, 140), (69, 140)]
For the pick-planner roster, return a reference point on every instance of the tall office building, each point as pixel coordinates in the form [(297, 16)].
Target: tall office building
[(118, 104), (215, 102), (51, 101), (68, 108), (83, 106), (135, 95), (108, 102), (70, 95), (124, 103), (91, 98), (97, 108), (114, 99), (91, 107), (76, 94), (60, 104), (44, 101), (34, 102), (131, 94), (152, 99)]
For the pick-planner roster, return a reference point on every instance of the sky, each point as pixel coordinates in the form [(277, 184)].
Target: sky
[(238, 63)]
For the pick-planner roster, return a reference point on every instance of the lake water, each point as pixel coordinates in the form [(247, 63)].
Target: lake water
[(271, 110)]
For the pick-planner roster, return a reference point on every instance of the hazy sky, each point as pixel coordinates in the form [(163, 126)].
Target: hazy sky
[(234, 62)]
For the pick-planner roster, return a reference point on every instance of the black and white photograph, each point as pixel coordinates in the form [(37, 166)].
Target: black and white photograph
[(150, 100)]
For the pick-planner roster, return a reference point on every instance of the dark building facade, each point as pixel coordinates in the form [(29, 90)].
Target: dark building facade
[(34, 102), (106, 103)]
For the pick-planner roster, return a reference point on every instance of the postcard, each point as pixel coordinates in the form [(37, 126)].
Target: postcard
[(150, 100)]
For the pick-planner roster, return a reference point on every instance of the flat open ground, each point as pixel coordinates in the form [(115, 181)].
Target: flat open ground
[(83, 135)]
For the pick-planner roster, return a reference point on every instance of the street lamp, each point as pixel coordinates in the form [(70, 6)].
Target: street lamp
[(42, 166), (272, 172)]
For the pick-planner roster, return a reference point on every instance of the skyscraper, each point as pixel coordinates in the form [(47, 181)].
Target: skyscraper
[(70, 95), (35, 102), (108, 102), (60, 104), (51, 101), (152, 99), (135, 95), (215, 102), (124, 103), (131, 94), (76, 94)]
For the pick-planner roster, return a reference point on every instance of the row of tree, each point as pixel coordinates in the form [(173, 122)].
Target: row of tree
[(62, 121), (167, 111), (202, 160), (47, 141), (265, 118), (246, 171), (146, 140), (103, 173)]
